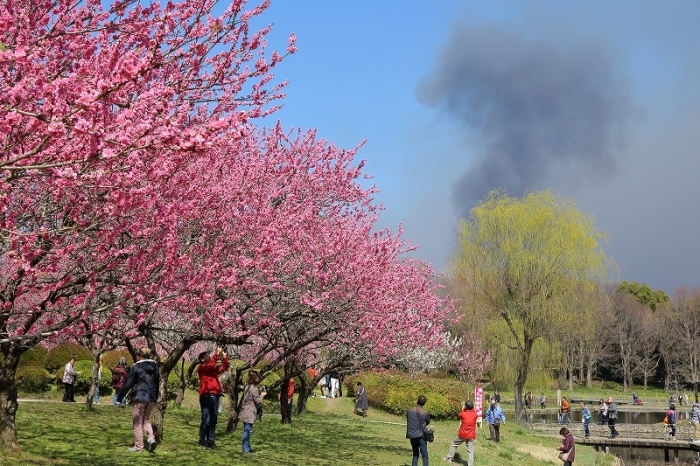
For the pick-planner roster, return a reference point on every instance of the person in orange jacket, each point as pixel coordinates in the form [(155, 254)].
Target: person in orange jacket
[(564, 412)]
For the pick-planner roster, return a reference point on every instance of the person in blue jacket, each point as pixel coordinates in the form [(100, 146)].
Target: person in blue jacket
[(494, 418)]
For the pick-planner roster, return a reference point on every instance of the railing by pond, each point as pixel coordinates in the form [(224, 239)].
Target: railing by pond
[(633, 431)]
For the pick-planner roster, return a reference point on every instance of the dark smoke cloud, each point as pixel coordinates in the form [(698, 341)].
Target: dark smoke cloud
[(541, 108)]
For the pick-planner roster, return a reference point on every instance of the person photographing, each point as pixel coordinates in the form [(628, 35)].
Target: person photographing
[(252, 398), (209, 370)]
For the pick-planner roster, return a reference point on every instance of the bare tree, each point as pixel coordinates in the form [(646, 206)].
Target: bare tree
[(628, 326), (684, 328), (646, 358)]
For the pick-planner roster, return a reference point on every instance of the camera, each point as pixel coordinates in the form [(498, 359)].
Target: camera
[(263, 388)]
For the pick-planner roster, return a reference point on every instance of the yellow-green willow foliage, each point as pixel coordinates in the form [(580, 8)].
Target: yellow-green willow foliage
[(524, 260), (544, 362)]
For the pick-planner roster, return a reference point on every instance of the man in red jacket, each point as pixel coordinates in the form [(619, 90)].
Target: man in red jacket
[(467, 433), (209, 394)]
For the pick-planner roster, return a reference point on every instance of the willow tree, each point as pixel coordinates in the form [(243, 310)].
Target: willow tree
[(525, 259)]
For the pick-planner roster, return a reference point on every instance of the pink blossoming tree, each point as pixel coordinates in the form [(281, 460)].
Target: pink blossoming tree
[(98, 107)]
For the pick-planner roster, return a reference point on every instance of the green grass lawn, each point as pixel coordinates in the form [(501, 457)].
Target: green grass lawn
[(54, 433)]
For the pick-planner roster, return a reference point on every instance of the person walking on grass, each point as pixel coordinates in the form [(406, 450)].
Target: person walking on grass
[(252, 398), (543, 400), (361, 400), (143, 382), (567, 447), (585, 419), (417, 418), (68, 380), (466, 433), (209, 370), (494, 418)]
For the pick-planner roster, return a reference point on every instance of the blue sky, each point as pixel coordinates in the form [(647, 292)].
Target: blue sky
[(596, 100)]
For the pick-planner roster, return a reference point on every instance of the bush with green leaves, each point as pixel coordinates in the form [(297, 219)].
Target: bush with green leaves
[(81, 386), (58, 356), (395, 392), (610, 385), (33, 379), (174, 378), (34, 356), (111, 358)]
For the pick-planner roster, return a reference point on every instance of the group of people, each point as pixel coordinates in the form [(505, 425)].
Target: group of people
[(607, 414), (680, 399), (418, 418), (331, 385), (210, 371), (119, 376)]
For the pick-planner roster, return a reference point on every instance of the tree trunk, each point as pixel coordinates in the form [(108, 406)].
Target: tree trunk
[(182, 386), (185, 377), (521, 377), (303, 395), (234, 393), (158, 413), (589, 374), (165, 367), (94, 381), (8, 398), (285, 402)]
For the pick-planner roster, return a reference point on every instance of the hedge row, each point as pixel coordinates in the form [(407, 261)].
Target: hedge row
[(33, 379), (39, 368), (395, 392)]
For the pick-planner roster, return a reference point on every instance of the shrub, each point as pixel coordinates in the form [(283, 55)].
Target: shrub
[(111, 358), (33, 379), (397, 391), (269, 381), (610, 385), (34, 356), (81, 386), (59, 355), (174, 378)]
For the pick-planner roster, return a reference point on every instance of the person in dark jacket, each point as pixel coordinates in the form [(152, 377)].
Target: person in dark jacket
[(416, 419), (143, 380), (209, 393), (361, 400)]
